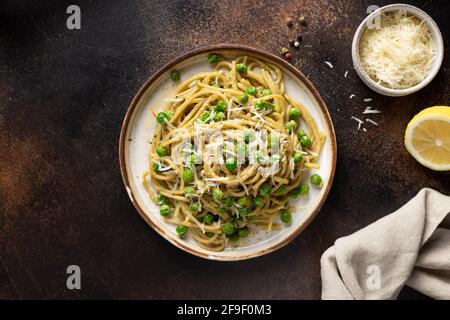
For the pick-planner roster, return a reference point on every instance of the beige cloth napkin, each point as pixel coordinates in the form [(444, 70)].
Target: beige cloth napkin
[(410, 246)]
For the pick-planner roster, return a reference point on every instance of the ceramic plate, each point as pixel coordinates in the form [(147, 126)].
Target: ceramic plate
[(139, 125)]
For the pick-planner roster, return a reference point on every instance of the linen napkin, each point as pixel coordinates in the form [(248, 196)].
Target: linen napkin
[(410, 246)]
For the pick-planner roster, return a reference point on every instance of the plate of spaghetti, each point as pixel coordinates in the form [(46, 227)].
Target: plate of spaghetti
[(228, 152)]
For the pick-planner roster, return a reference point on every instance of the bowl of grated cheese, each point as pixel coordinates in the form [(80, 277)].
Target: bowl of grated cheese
[(397, 50)]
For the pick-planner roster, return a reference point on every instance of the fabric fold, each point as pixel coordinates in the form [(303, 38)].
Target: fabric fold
[(410, 246)]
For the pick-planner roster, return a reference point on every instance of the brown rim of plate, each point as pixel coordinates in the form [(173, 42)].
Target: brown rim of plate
[(265, 56)]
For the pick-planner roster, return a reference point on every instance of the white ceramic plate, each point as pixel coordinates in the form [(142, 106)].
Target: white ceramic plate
[(139, 125)]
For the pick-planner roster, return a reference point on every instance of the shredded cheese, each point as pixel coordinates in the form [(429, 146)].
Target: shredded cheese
[(370, 110), (400, 53)]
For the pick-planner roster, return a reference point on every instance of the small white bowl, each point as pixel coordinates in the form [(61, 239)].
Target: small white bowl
[(437, 41)]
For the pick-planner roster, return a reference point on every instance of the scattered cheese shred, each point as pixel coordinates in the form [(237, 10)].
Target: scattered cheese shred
[(328, 63), (360, 122), (372, 122), (370, 110)]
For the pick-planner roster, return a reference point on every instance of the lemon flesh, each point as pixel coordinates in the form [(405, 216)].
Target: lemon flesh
[(427, 138)]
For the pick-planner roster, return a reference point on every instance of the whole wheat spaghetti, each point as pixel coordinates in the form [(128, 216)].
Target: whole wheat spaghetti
[(230, 149)]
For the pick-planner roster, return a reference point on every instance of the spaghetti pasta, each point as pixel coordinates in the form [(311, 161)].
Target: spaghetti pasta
[(229, 151)]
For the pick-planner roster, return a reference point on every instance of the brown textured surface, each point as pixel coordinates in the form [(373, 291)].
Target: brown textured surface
[(63, 95)]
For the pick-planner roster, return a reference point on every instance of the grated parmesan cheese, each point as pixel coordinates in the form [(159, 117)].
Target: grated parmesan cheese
[(400, 54), (370, 110), (372, 122)]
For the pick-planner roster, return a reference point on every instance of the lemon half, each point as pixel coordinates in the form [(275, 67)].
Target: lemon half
[(427, 138)]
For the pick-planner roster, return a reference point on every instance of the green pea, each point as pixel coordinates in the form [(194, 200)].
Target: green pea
[(294, 113), (220, 116), (162, 199), (243, 98), (163, 116), (249, 136), (281, 190), (239, 223), (161, 151), (221, 105), (260, 104), (181, 230), (189, 191), (233, 237), (222, 209), (303, 189), (265, 190), (269, 108), (164, 210), (218, 195), (258, 201), (229, 202), (243, 211), (297, 157), (294, 192), (155, 167), (305, 141), (266, 92), (206, 116), (188, 176), (215, 84), (194, 207), (244, 201), (316, 179), (208, 219), (213, 58), (290, 126), (301, 134), (241, 149), (194, 159), (244, 232), (286, 216), (231, 164), (228, 228), (175, 75), (251, 91), (241, 67)]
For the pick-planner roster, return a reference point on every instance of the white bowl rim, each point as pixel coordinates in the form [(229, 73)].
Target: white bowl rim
[(438, 44)]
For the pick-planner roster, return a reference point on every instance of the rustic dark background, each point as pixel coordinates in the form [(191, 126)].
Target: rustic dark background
[(63, 95)]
